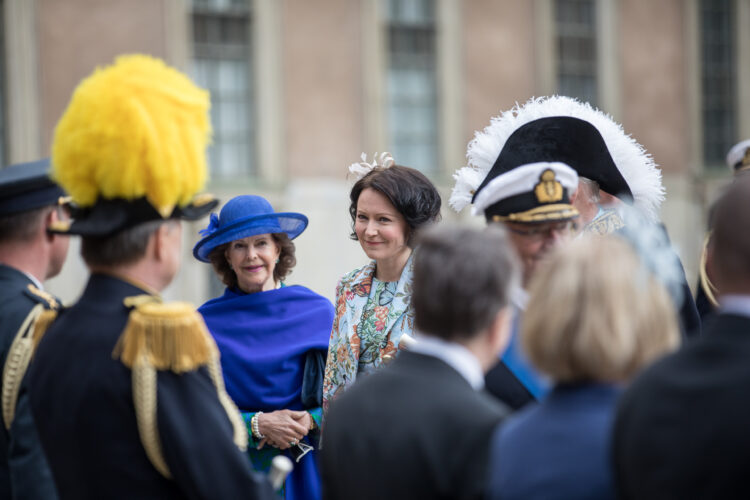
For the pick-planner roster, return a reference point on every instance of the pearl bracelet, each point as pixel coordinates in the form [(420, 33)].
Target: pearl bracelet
[(254, 426)]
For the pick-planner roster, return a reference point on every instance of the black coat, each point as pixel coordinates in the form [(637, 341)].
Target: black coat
[(23, 468), (415, 429), (683, 428), (83, 405)]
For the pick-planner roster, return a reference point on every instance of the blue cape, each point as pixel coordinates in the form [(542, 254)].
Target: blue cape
[(263, 338)]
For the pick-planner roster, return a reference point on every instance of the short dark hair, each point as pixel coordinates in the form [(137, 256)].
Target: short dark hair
[(462, 278), (730, 239), (22, 226), (123, 247), (287, 260), (408, 190)]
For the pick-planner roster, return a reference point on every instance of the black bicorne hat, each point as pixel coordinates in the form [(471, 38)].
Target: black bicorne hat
[(564, 139), (107, 217)]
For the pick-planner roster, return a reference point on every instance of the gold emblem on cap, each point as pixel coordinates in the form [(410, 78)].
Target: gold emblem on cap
[(59, 226), (549, 189), (745, 159)]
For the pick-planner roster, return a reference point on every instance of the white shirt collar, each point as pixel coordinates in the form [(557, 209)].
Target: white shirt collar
[(455, 355), (519, 297), (33, 279), (735, 304)]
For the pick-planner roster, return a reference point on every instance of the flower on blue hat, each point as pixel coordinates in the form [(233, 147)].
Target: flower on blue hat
[(243, 216)]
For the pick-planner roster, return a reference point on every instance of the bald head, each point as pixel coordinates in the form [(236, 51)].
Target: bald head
[(729, 253)]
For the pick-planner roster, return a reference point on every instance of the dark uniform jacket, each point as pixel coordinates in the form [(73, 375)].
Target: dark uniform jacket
[(682, 429), (23, 469), (83, 405), (415, 429)]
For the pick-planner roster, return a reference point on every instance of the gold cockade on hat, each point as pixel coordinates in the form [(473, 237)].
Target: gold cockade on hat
[(745, 163), (549, 189)]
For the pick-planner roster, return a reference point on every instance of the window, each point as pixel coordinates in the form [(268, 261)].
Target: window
[(718, 79), (411, 83), (576, 49), (3, 153), (221, 64)]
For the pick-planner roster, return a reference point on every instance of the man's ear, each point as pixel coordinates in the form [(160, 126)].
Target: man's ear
[(50, 219), (607, 199), (158, 242)]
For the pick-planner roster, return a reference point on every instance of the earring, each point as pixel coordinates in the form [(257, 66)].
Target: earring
[(277, 261)]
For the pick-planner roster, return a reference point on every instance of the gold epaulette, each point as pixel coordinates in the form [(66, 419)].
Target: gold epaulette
[(19, 356), (173, 337), (169, 336), (708, 287)]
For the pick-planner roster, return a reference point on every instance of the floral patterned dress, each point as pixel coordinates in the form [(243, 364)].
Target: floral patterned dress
[(371, 317)]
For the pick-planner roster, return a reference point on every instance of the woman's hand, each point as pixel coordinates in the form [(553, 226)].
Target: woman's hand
[(281, 428)]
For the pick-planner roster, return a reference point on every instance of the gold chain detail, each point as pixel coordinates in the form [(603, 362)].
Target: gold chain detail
[(144, 399), (16, 364)]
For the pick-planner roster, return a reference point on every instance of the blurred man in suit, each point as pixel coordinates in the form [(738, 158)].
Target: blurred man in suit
[(29, 254), (682, 428), (421, 427)]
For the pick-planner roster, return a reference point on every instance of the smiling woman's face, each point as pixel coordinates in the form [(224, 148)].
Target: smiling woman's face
[(253, 260), (381, 229)]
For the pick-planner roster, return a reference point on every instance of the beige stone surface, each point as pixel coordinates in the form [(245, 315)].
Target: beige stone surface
[(322, 83), (654, 92), (75, 36), (498, 58)]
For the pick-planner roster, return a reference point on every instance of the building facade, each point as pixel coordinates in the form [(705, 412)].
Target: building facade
[(300, 89)]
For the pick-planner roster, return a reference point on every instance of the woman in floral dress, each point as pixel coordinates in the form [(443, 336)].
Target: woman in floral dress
[(389, 203)]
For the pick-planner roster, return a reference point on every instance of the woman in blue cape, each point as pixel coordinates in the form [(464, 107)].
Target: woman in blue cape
[(272, 338)]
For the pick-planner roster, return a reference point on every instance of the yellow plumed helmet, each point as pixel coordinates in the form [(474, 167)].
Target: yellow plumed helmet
[(134, 129)]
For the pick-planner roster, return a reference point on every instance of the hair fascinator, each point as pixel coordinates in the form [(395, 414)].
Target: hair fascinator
[(362, 168)]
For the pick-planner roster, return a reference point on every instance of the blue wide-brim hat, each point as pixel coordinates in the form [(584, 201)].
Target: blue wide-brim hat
[(244, 216)]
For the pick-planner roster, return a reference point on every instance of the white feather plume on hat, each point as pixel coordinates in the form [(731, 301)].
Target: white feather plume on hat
[(636, 166)]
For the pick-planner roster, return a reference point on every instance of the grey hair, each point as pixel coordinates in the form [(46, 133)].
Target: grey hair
[(592, 188), (462, 278), (123, 247)]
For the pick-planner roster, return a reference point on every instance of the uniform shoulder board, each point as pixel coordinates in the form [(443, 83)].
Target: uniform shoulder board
[(42, 297), (19, 355), (607, 223), (174, 337)]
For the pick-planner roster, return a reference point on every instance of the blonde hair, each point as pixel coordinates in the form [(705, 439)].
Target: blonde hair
[(596, 314)]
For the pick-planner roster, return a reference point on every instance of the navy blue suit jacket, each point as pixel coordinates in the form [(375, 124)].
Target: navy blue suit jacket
[(414, 430), (557, 449)]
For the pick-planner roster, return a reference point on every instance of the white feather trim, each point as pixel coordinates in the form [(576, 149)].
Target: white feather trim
[(362, 168), (635, 164)]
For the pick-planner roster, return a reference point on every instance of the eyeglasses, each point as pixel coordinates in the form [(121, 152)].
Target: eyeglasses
[(543, 231)]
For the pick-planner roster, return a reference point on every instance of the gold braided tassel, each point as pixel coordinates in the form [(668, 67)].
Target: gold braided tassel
[(171, 336), (43, 322)]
